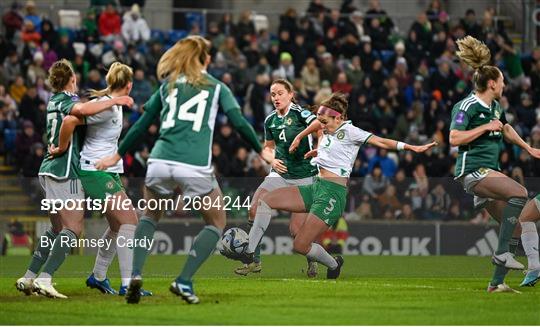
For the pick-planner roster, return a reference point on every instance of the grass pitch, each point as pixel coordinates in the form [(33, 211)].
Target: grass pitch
[(371, 290)]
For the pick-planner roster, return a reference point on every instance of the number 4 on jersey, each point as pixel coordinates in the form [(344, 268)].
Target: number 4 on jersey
[(282, 135), (196, 117)]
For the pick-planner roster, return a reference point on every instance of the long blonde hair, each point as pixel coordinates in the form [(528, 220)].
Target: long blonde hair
[(477, 55), (186, 57), (118, 76)]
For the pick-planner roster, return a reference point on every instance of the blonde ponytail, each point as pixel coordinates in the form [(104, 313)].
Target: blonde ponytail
[(118, 76), (473, 52), (476, 54)]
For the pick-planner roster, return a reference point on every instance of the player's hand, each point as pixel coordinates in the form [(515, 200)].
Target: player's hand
[(311, 154), (294, 145), (124, 100), (279, 166), (535, 153), (267, 155), (107, 162), (494, 126), (422, 148), (55, 151)]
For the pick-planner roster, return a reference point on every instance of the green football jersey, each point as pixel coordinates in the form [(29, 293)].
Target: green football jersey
[(484, 151), (187, 117), (282, 130), (66, 165)]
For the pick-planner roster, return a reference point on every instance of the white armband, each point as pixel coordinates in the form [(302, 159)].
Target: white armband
[(400, 146)]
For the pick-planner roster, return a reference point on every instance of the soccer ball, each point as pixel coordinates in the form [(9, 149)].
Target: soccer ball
[(233, 242)]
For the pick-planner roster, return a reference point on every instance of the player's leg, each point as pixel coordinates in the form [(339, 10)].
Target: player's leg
[(271, 182), (144, 236), (328, 204), (72, 224), (202, 248), (126, 223), (158, 184), (287, 199), (199, 183), (39, 256), (496, 185), (304, 243), (297, 221), (255, 266), (43, 247), (105, 255), (100, 185), (529, 236), (496, 208)]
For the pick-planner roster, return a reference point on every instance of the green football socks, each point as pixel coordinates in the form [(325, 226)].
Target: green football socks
[(145, 230), (41, 253), (59, 251), (509, 221), (202, 248)]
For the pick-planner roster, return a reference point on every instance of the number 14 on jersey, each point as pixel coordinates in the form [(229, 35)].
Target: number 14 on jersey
[(196, 117)]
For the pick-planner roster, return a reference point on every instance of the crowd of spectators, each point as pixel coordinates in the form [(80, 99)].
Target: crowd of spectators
[(401, 84)]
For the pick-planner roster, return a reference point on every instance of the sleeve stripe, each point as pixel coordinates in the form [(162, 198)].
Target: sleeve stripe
[(269, 116), (297, 107), (310, 119), (464, 101), (367, 138), (466, 104)]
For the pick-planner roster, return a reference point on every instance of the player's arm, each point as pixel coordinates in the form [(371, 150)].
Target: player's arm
[(461, 135), (458, 137), (390, 144), (511, 136), (94, 107), (66, 130), (151, 110), (314, 152), (314, 127)]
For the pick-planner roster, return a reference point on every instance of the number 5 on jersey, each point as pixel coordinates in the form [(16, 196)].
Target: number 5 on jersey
[(330, 207), (196, 117)]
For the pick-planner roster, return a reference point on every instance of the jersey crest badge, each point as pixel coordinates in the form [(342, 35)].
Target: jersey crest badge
[(340, 135), (288, 121)]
